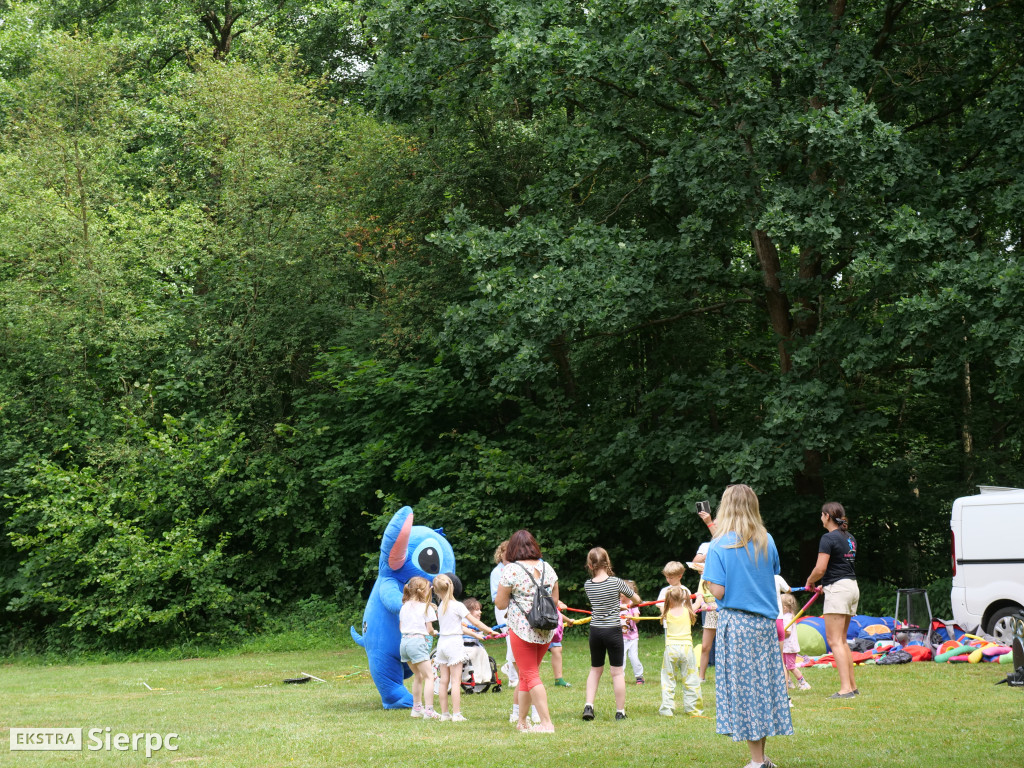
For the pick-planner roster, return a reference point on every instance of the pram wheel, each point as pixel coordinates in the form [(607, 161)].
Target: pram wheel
[(468, 683), (496, 689)]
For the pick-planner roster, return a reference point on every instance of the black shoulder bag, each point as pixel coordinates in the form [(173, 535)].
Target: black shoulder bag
[(543, 614)]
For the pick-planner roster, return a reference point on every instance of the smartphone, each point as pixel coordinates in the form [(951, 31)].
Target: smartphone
[(703, 506)]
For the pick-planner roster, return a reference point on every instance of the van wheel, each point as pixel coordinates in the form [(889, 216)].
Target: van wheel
[(1000, 626)]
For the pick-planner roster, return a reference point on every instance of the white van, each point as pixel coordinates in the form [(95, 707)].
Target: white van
[(988, 561)]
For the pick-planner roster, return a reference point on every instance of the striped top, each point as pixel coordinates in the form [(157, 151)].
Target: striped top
[(604, 600)]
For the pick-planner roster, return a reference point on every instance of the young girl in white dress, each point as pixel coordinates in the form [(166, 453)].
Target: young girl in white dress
[(451, 653)]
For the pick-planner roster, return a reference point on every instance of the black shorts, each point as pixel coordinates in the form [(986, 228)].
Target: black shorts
[(606, 639)]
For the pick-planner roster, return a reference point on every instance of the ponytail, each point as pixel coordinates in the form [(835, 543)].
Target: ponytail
[(836, 514)]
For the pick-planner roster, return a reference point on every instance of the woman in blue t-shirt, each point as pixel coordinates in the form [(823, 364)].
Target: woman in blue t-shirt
[(750, 684), (837, 552)]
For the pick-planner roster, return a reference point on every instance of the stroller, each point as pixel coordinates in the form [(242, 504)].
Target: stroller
[(478, 675)]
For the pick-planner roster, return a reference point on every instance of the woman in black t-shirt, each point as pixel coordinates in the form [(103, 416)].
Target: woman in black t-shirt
[(837, 552)]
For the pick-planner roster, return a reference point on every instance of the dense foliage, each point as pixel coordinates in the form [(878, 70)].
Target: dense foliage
[(269, 271)]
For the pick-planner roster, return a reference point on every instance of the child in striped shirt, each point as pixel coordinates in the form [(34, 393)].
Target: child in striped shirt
[(603, 589)]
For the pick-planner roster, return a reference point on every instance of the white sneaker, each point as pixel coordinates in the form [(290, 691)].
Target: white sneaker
[(458, 718), (445, 717), (534, 716), (430, 714), (514, 717), (416, 713)]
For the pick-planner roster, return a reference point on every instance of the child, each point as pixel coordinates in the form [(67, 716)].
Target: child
[(414, 621), (678, 664), (673, 573), (631, 636), (451, 653), (472, 642), (708, 607), (781, 588), (603, 589), (556, 648), (791, 645)]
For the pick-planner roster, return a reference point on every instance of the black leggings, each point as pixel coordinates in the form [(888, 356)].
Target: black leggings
[(606, 639)]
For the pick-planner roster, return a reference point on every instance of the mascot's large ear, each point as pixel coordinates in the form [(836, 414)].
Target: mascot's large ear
[(395, 544)]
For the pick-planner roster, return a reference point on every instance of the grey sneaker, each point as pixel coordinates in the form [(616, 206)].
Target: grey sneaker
[(849, 695), (588, 712)]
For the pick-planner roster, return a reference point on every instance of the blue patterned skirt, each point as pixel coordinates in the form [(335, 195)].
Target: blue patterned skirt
[(750, 684)]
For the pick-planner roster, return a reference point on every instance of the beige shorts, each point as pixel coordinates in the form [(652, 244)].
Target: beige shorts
[(841, 597)]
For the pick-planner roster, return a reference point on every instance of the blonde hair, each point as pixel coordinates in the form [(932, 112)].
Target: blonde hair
[(445, 590), (499, 553), (673, 568), (417, 588), (597, 560), (677, 596), (740, 513), (789, 603)]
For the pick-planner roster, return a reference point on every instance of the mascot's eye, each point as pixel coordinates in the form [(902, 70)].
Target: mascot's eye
[(429, 560)]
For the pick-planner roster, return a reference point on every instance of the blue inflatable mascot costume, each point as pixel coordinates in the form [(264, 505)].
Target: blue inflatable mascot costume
[(406, 550)]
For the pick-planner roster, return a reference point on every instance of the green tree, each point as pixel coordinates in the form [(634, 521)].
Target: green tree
[(733, 208)]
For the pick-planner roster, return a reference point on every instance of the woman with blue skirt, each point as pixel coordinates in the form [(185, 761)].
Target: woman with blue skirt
[(750, 683)]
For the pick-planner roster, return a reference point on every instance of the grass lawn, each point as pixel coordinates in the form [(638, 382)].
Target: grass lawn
[(233, 710)]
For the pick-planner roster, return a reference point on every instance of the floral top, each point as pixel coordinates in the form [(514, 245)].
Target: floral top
[(517, 577)]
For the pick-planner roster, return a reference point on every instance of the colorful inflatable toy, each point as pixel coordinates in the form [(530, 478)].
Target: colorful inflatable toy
[(810, 631), (953, 645), (406, 550)]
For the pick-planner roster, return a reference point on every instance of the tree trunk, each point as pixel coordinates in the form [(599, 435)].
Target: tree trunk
[(220, 30), (778, 304)]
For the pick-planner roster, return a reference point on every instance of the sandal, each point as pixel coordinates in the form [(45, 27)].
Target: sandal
[(524, 727), (542, 729)]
